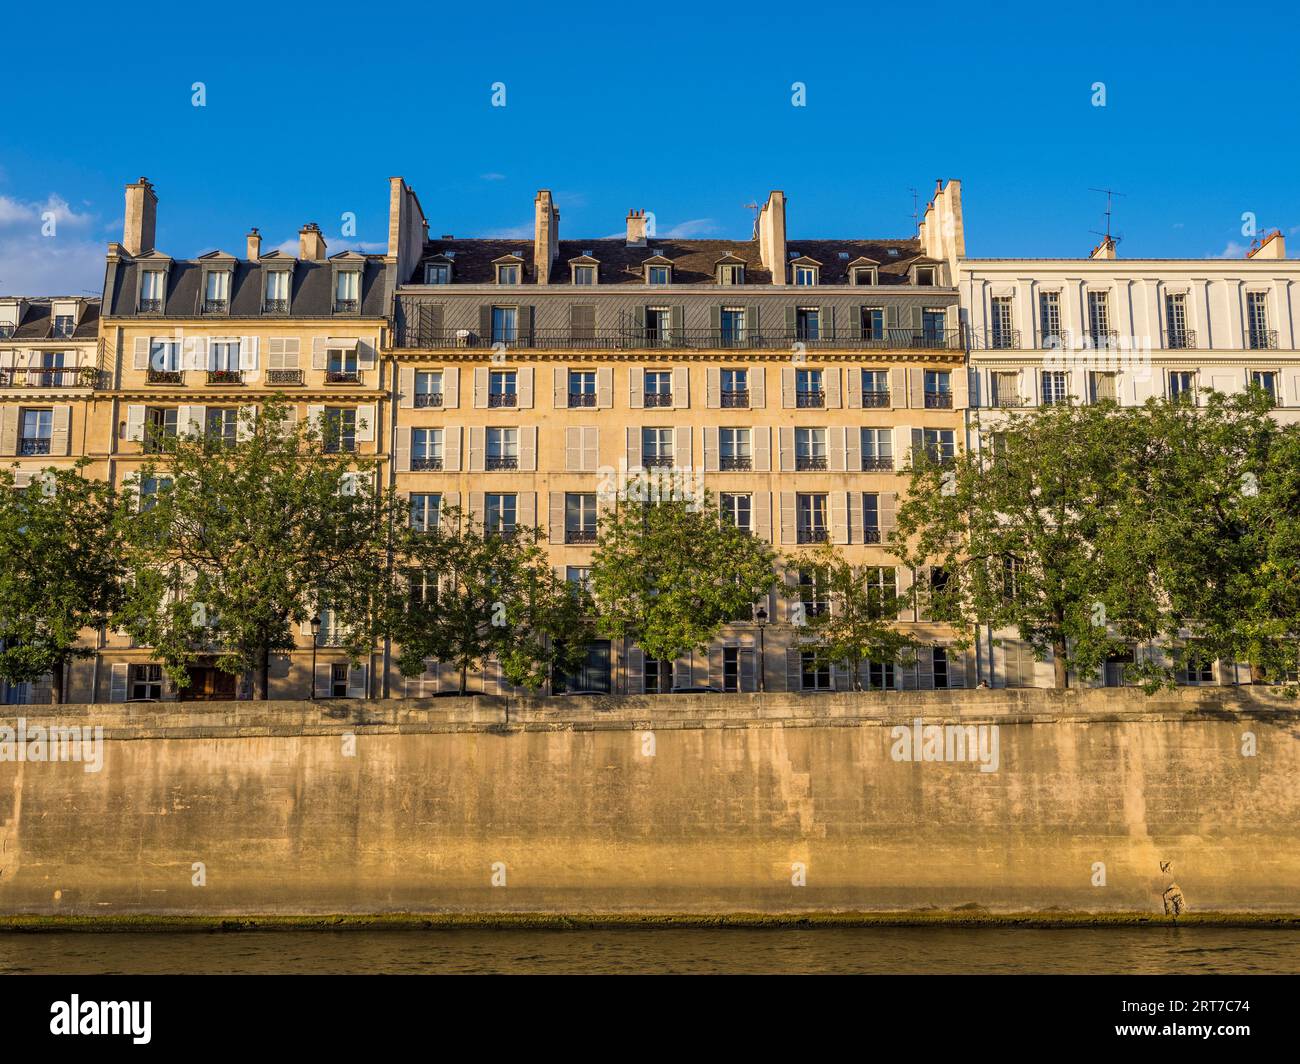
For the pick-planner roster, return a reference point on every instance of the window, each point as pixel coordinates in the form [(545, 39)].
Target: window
[(1196, 668), (656, 447), (64, 326), (809, 449), (1099, 319), (1056, 387), (873, 323), (505, 325), (877, 449), (347, 298), (807, 323), (938, 389), (502, 385), (934, 326), (1103, 387), (882, 586), (165, 356), (733, 449), (1176, 334), (870, 517), (507, 274), (875, 388), (813, 593), (426, 450), (582, 387), (276, 296), (146, 682), (940, 664), (223, 356), (502, 448), (812, 675), (500, 513), (658, 325), (731, 274), (338, 680), (658, 676), (150, 488), (1049, 319), (216, 295), (341, 365), (657, 388), (735, 387), (428, 388), (805, 275), (925, 276), (808, 390), (437, 273), (579, 576), (1182, 384), (582, 321), (37, 426), (426, 511), (733, 325), (151, 291), (1006, 389), (1260, 337), (810, 512), (159, 429), (865, 275), (340, 429), (880, 676), (223, 426), (1265, 380), (658, 274), (584, 275), (939, 445), (731, 668), (579, 517), (1002, 333), (737, 510)]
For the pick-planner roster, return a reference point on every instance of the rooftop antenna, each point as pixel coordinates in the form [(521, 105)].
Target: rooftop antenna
[(1110, 194), (916, 215), (755, 208)]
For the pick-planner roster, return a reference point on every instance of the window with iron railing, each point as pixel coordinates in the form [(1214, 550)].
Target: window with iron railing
[(813, 593), (737, 510), (1265, 381), (875, 388), (733, 449), (877, 449), (342, 366), (658, 389), (873, 323), (347, 292), (428, 389), (36, 428), (339, 430), (502, 388), (426, 450), (1182, 385), (656, 447), (500, 512), (1056, 387), (425, 511), (808, 391), (1259, 336), (735, 388), (938, 389), (582, 388), (580, 517), (1006, 389), (870, 517), (1049, 319), (809, 449), (732, 322), (502, 449)]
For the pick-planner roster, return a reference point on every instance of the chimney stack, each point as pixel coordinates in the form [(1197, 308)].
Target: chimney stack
[(771, 236), (1271, 245), (141, 217), (254, 245), (636, 229), (311, 244), (546, 235), (1104, 250)]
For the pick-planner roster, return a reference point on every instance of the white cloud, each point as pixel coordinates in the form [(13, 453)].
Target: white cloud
[(1232, 251), (693, 228), (512, 232), (366, 247), (492, 177), (33, 265), (15, 212), (11, 211)]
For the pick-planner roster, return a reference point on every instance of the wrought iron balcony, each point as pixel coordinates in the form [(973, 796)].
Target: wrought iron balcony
[(151, 306), (871, 535), (657, 461), (1004, 339), (577, 399), (731, 463), (499, 399), (1102, 339), (810, 462), (496, 463), (812, 535), (1262, 339), (580, 535), (62, 329), (875, 399), (225, 376), (164, 376), (430, 464), (346, 306), (810, 398), (38, 445), (938, 400), (284, 376), (342, 376), (275, 306), (37, 377), (1007, 400), (735, 398), (872, 464), (216, 306), (427, 399), (1181, 340), (657, 399)]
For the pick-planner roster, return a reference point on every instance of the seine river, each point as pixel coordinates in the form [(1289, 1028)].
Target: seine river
[(868, 950)]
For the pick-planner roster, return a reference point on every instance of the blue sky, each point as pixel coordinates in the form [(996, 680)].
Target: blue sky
[(682, 110)]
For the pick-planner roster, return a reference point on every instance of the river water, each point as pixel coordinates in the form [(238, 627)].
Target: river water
[(866, 950)]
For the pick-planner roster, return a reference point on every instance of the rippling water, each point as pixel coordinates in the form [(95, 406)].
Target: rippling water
[(867, 950)]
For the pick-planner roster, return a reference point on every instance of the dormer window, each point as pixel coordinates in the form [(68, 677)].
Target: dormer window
[(152, 284), (866, 275), (584, 275), (347, 292), (64, 326), (276, 298), (924, 276), (437, 273), (216, 292), (731, 273), (805, 275), (658, 274), (508, 273)]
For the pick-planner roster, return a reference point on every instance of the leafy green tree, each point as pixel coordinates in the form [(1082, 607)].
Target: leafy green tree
[(60, 571), (857, 625), (466, 594), (232, 543), (670, 574)]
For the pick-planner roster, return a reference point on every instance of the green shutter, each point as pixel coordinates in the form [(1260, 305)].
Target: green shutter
[(485, 321)]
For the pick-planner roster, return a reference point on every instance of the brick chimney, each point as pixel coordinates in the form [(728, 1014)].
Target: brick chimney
[(311, 244), (254, 245), (771, 236), (141, 217), (546, 235), (1269, 246), (636, 229), (1105, 249)]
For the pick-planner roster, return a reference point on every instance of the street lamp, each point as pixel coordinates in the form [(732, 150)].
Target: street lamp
[(760, 616), (315, 633)]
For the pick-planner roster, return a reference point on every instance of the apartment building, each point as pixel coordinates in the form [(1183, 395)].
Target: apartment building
[(1106, 328), (791, 377)]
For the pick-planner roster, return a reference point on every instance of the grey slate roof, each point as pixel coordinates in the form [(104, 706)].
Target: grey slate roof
[(37, 320)]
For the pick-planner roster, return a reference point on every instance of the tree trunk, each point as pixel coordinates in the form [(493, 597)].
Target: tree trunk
[(1059, 666), (56, 684), (464, 676), (262, 675)]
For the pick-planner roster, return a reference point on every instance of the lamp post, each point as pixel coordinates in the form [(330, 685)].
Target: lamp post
[(761, 617), (315, 634)]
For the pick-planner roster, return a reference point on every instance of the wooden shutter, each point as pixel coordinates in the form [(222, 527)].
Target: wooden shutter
[(748, 678), (560, 387), (682, 447), (556, 512), (902, 446), (478, 506), (677, 321), (785, 448), (854, 389), (916, 388), (119, 674), (480, 387), (793, 670), (134, 423), (451, 449), (526, 509), (451, 387), (246, 425), (60, 430), (359, 681), (715, 667), (839, 517), (787, 387), (193, 420), (321, 682), (365, 356), (853, 449), (320, 352), (713, 387), (897, 387), (525, 397), (635, 671), (604, 387), (681, 387), (831, 381), (485, 321), (249, 351), (477, 448), (573, 449), (582, 321), (760, 437), (757, 387), (835, 448), (590, 448), (402, 456), (789, 528), (366, 427), (636, 387), (710, 449), (761, 508), (406, 388), (528, 449), (633, 447), (282, 353), (961, 389), (140, 359), (525, 333), (903, 576)]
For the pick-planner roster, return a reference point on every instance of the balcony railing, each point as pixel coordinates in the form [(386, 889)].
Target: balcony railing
[(1004, 339), (216, 306), (1007, 400), (151, 306), (415, 333), (39, 445), (164, 376), (732, 462), (496, 463), (577, 399), (657, 461), (427, 399), (812, 535), (431, 464), (342, 376), (875, 399), (579, 535), (735, 398), (657, 399), (275, 306), (1102, 339), (346, 306), (872, 464), (35, 377), (871, 535), (284, 376), (225, 376), (1181, 340), (938, 400), (809, 462), (499, 399), (1262, 339), (810, 398)]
